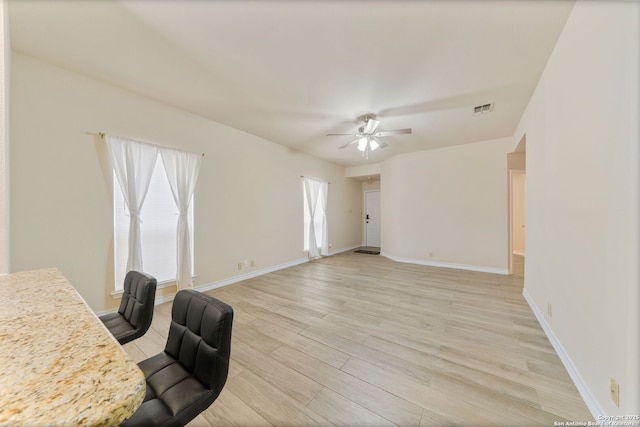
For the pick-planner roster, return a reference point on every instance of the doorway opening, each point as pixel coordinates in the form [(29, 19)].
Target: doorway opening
[(517, 166), (518, 221)]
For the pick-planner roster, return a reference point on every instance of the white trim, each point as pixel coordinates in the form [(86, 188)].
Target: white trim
[(256, 273), (335, 252), (209, 286), (477, 268), (161, 299), (236, 279), (587, 396), (339, 251)]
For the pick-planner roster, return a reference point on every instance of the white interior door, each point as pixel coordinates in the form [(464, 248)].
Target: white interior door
[(372, 218)]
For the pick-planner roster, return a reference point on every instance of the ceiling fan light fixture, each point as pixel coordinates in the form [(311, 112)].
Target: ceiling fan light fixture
[(366, 140), (362, 143)]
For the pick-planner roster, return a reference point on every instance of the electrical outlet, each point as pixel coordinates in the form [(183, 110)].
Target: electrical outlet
[(252, 263), (615, 392), (239, 266), (246, 263), (430, 254), (550, 309)]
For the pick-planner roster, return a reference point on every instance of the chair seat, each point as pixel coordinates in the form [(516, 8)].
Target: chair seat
[(118, 326), (173, 395), (134, 316), (187, 377)]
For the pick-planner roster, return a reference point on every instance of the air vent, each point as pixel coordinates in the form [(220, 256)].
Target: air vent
[(482, 109)]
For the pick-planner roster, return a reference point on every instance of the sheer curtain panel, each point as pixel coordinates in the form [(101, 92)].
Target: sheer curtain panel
[(182, 172), (316, 197), (323, 196), (133, 163)]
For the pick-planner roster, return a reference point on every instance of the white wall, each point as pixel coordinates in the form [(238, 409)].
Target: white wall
[(372, 169), (581, 128), (248, 203), (451, 202)]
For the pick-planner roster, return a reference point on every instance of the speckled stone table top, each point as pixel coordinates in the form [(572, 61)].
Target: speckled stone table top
[(59, 366)]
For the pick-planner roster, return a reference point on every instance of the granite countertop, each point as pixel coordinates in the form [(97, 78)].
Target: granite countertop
[(59, 366)]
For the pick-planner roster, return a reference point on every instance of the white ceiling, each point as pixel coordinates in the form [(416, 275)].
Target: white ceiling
[(293, 71)]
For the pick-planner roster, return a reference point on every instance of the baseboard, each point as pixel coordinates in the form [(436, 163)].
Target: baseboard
[(164, 298), (339, 251), (521, 253), (256, 273), (214, 285), (587, 396), (477, 268), (251, 275)]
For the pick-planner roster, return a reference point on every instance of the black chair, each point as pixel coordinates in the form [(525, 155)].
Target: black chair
[(188, 376), (133, 318)]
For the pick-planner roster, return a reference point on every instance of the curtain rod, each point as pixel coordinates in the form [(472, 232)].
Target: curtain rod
[(103, 135), (302, 176)]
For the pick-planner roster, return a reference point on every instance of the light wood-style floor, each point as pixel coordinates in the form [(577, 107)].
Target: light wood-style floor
[(360, 340)]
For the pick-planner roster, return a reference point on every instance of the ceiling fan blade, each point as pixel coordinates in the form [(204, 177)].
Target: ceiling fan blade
[(348, 144), (370, 126), (392, 132)]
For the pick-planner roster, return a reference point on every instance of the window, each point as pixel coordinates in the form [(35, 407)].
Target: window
[(159, 218)]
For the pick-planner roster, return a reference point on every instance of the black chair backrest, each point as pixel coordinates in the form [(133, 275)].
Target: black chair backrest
[(200, 337), (138, 299)]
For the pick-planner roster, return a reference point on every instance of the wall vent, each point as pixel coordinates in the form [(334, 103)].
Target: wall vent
[(482, 109)]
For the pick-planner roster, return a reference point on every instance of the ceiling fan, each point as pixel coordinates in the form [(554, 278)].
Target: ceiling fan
[(367, 137)]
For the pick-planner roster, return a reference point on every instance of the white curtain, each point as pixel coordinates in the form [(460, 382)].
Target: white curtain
[(324, 192), (133, 163), (316, 194), (182, 172)]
